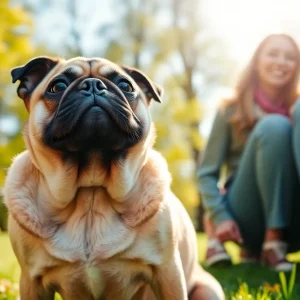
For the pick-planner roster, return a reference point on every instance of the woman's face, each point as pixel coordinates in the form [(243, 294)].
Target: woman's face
[(277, 63)]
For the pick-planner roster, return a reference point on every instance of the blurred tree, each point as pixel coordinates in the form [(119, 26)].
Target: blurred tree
[(15, 49), (136, 33), (76, 48), (144, 39), (202, 56), (170, 38)]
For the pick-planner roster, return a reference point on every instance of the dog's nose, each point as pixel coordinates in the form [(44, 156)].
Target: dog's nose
[(92, 85)]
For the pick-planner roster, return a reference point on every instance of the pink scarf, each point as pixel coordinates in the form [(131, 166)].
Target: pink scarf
[(267, 105)]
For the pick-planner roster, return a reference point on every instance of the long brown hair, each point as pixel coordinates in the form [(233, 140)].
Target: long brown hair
[(243, 117)]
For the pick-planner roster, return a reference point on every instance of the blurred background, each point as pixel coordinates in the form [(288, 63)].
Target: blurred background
[(193, 48)]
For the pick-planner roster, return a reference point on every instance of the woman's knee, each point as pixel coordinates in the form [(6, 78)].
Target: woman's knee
[(274, 127), (296, 112)]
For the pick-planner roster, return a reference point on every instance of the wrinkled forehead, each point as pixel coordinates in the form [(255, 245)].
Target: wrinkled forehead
[(91, 67)]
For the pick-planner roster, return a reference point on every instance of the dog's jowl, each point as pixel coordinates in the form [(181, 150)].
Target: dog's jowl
[(91, 213)]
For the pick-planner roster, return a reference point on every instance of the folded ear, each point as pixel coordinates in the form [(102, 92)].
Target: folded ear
[(151, 89), (31, 74)]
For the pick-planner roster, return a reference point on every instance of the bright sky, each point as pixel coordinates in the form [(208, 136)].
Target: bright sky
[(243, 24)]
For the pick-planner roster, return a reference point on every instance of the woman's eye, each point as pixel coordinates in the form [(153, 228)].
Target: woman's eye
[(291, 58), (58, 87), (272, 54), (125, 86)]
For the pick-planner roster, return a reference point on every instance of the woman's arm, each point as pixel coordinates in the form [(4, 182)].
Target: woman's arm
[(209, 171)]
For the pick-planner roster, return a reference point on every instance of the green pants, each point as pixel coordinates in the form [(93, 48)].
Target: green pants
[(265, 190)]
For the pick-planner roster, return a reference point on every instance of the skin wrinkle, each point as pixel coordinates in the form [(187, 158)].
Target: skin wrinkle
[(134, 134), (74, 83), (69, 88)]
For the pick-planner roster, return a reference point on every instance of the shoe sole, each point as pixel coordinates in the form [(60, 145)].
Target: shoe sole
[(218, 259), (284, 267)]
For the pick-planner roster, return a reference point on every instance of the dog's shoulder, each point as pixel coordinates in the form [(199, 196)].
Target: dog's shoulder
[(21, 186), (20, 173), (21, 160), (155, 174), (149, 192), (157, 158)]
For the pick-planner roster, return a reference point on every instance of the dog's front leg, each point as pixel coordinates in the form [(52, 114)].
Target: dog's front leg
[(170, 280), (33, 289)]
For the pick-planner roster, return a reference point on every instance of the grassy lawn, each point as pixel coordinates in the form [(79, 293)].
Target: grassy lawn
[(8, 263), (231, 278), (255, 276)]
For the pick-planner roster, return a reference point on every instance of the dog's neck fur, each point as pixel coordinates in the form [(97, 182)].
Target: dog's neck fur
[(135, 186), (63, 178)]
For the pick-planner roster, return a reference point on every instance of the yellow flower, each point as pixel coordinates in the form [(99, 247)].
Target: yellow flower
[(7, 286), (272, 288)]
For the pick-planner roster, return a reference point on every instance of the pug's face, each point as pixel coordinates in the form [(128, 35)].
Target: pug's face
[(85, 104)]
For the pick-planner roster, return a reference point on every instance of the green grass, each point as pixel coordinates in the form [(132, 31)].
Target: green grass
[(255, 276), (239, 281), (9, 267)]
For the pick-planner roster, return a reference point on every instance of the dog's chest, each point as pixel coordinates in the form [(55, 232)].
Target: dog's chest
[(117, 279), (92, 231)]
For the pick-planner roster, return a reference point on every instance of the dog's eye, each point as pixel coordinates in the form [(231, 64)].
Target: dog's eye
[(58, 87), (125, 86)]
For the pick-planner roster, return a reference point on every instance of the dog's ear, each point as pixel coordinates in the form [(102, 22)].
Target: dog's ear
[(151, 89), (31, 74)]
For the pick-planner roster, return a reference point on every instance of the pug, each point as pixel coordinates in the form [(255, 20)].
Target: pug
[(91, 213)]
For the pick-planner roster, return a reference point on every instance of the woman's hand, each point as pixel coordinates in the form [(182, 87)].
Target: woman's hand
[(229, 231)]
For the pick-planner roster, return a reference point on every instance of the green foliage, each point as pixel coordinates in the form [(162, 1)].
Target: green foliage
[(288, 287), (3, 216), (15, 49), (15, 30), (266, 292), (173, 143), (283, 291), (8, 290), (173, 119)]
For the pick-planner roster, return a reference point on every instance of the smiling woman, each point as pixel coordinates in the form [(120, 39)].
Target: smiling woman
[(254, 138), (276, 67)]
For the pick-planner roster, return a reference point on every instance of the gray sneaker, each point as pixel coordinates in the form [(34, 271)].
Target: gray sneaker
[(216, 254), (274, 256)]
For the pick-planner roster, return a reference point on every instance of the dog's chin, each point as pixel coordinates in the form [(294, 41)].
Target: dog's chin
[(95, 131)]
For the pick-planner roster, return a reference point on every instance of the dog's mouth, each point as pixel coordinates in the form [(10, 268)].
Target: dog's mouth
[(96, 121), (94, 109)]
